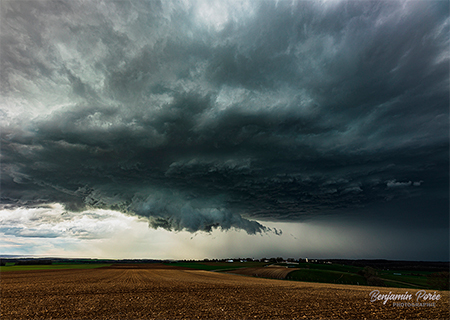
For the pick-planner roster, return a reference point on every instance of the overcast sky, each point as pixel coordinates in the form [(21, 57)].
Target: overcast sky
[(181, 129)]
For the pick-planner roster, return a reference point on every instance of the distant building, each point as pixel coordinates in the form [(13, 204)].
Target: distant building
[(230, 260)]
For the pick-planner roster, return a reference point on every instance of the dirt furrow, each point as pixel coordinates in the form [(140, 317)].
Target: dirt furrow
[(139, 293)]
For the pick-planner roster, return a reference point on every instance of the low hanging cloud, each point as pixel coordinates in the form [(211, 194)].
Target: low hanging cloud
[(202, 115), (171, 214)]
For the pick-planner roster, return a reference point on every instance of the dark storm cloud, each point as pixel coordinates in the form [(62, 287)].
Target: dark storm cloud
[(202, 115)]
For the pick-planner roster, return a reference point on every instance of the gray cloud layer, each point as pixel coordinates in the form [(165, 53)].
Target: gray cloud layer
[(207, 114)]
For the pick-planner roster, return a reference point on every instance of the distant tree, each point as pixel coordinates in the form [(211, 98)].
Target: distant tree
[(371, 276), (439, 280), (375, 281), (368, 272)]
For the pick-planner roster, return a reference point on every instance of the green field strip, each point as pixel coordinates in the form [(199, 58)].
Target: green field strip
[(404, 280), (332, 267), (316, 266), (326, 276), (418, 281)]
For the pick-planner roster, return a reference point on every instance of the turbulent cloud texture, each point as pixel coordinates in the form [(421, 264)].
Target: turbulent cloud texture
[(213, 114)]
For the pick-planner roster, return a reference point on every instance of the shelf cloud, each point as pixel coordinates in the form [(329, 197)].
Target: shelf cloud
[(225, 114)]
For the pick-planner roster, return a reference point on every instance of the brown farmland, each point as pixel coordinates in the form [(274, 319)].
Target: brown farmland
[(149, 292), (265, 272)]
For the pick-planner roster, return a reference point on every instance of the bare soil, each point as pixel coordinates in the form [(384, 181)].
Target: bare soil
[(161, 292), (265, 272)]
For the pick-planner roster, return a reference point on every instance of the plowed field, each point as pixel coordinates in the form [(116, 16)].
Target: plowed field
[(168, 293), (265, 272)]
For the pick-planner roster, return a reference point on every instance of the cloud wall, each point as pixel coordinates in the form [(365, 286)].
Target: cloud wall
[(213, 114)]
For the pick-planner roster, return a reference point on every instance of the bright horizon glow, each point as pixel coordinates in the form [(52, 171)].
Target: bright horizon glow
[(108, 234)]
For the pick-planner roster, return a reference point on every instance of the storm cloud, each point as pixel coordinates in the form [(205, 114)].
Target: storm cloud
[(213, 114)]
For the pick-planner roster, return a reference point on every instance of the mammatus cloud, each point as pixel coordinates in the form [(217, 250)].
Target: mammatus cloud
[(202, 115)]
